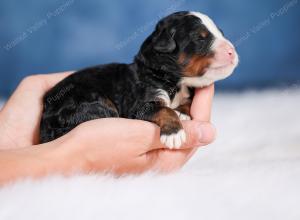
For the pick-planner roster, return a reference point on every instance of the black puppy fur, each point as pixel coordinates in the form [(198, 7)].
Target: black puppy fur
[(133, 90)]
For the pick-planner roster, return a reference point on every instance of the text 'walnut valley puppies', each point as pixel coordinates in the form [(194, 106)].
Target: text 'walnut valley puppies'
[(185, 51)]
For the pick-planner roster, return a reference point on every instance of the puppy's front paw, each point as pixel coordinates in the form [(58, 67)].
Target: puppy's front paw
[(171, 131), (182, 116), (173, 140)]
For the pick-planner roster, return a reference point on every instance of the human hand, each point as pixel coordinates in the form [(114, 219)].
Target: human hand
[(21, 114), (92, 148), (132, 146)]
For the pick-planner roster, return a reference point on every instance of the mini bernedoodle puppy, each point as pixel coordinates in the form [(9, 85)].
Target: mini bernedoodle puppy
[(185, 51)]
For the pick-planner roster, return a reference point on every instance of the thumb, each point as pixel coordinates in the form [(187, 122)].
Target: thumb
[(139, 136), (198, 133)]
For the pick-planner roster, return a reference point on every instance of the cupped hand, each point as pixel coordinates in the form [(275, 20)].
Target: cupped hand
[(112, 144)]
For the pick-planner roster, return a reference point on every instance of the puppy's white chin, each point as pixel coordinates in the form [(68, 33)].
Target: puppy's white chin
[(210, 76)]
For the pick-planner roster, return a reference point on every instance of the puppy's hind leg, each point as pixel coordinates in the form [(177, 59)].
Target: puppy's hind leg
[(54, 125)]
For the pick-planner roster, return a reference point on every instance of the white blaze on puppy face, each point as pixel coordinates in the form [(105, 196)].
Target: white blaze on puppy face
[(210, 25), (224, 61)]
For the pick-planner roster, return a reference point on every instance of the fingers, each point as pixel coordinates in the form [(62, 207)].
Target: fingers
[(116, 131), (129, 146), (42, 82), (166, 161), (132, 145), (141, 135), (198, 134), (202, 103)]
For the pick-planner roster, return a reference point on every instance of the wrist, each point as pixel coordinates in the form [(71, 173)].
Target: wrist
[(29, 162), (36, 162), (6, 140), (67, 154), (62, 157), (83, 152)]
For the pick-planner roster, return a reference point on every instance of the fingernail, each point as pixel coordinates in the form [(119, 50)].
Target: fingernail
[(207, 133)]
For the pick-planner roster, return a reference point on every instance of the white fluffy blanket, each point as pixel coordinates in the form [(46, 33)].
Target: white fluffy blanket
[(252, 171)]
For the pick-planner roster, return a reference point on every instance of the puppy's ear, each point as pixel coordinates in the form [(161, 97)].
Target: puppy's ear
[(164, 42)]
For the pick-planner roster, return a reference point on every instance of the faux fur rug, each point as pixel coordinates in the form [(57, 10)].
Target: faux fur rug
[(252, 171)]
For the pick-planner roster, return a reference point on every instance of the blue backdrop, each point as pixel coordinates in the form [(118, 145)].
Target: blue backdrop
[(58, 35)]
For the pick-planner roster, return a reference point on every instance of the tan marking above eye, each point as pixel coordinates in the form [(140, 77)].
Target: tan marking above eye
[(204, 34), (182, 58)]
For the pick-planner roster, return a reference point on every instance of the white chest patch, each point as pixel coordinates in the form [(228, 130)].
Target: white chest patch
[(180, 97)]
